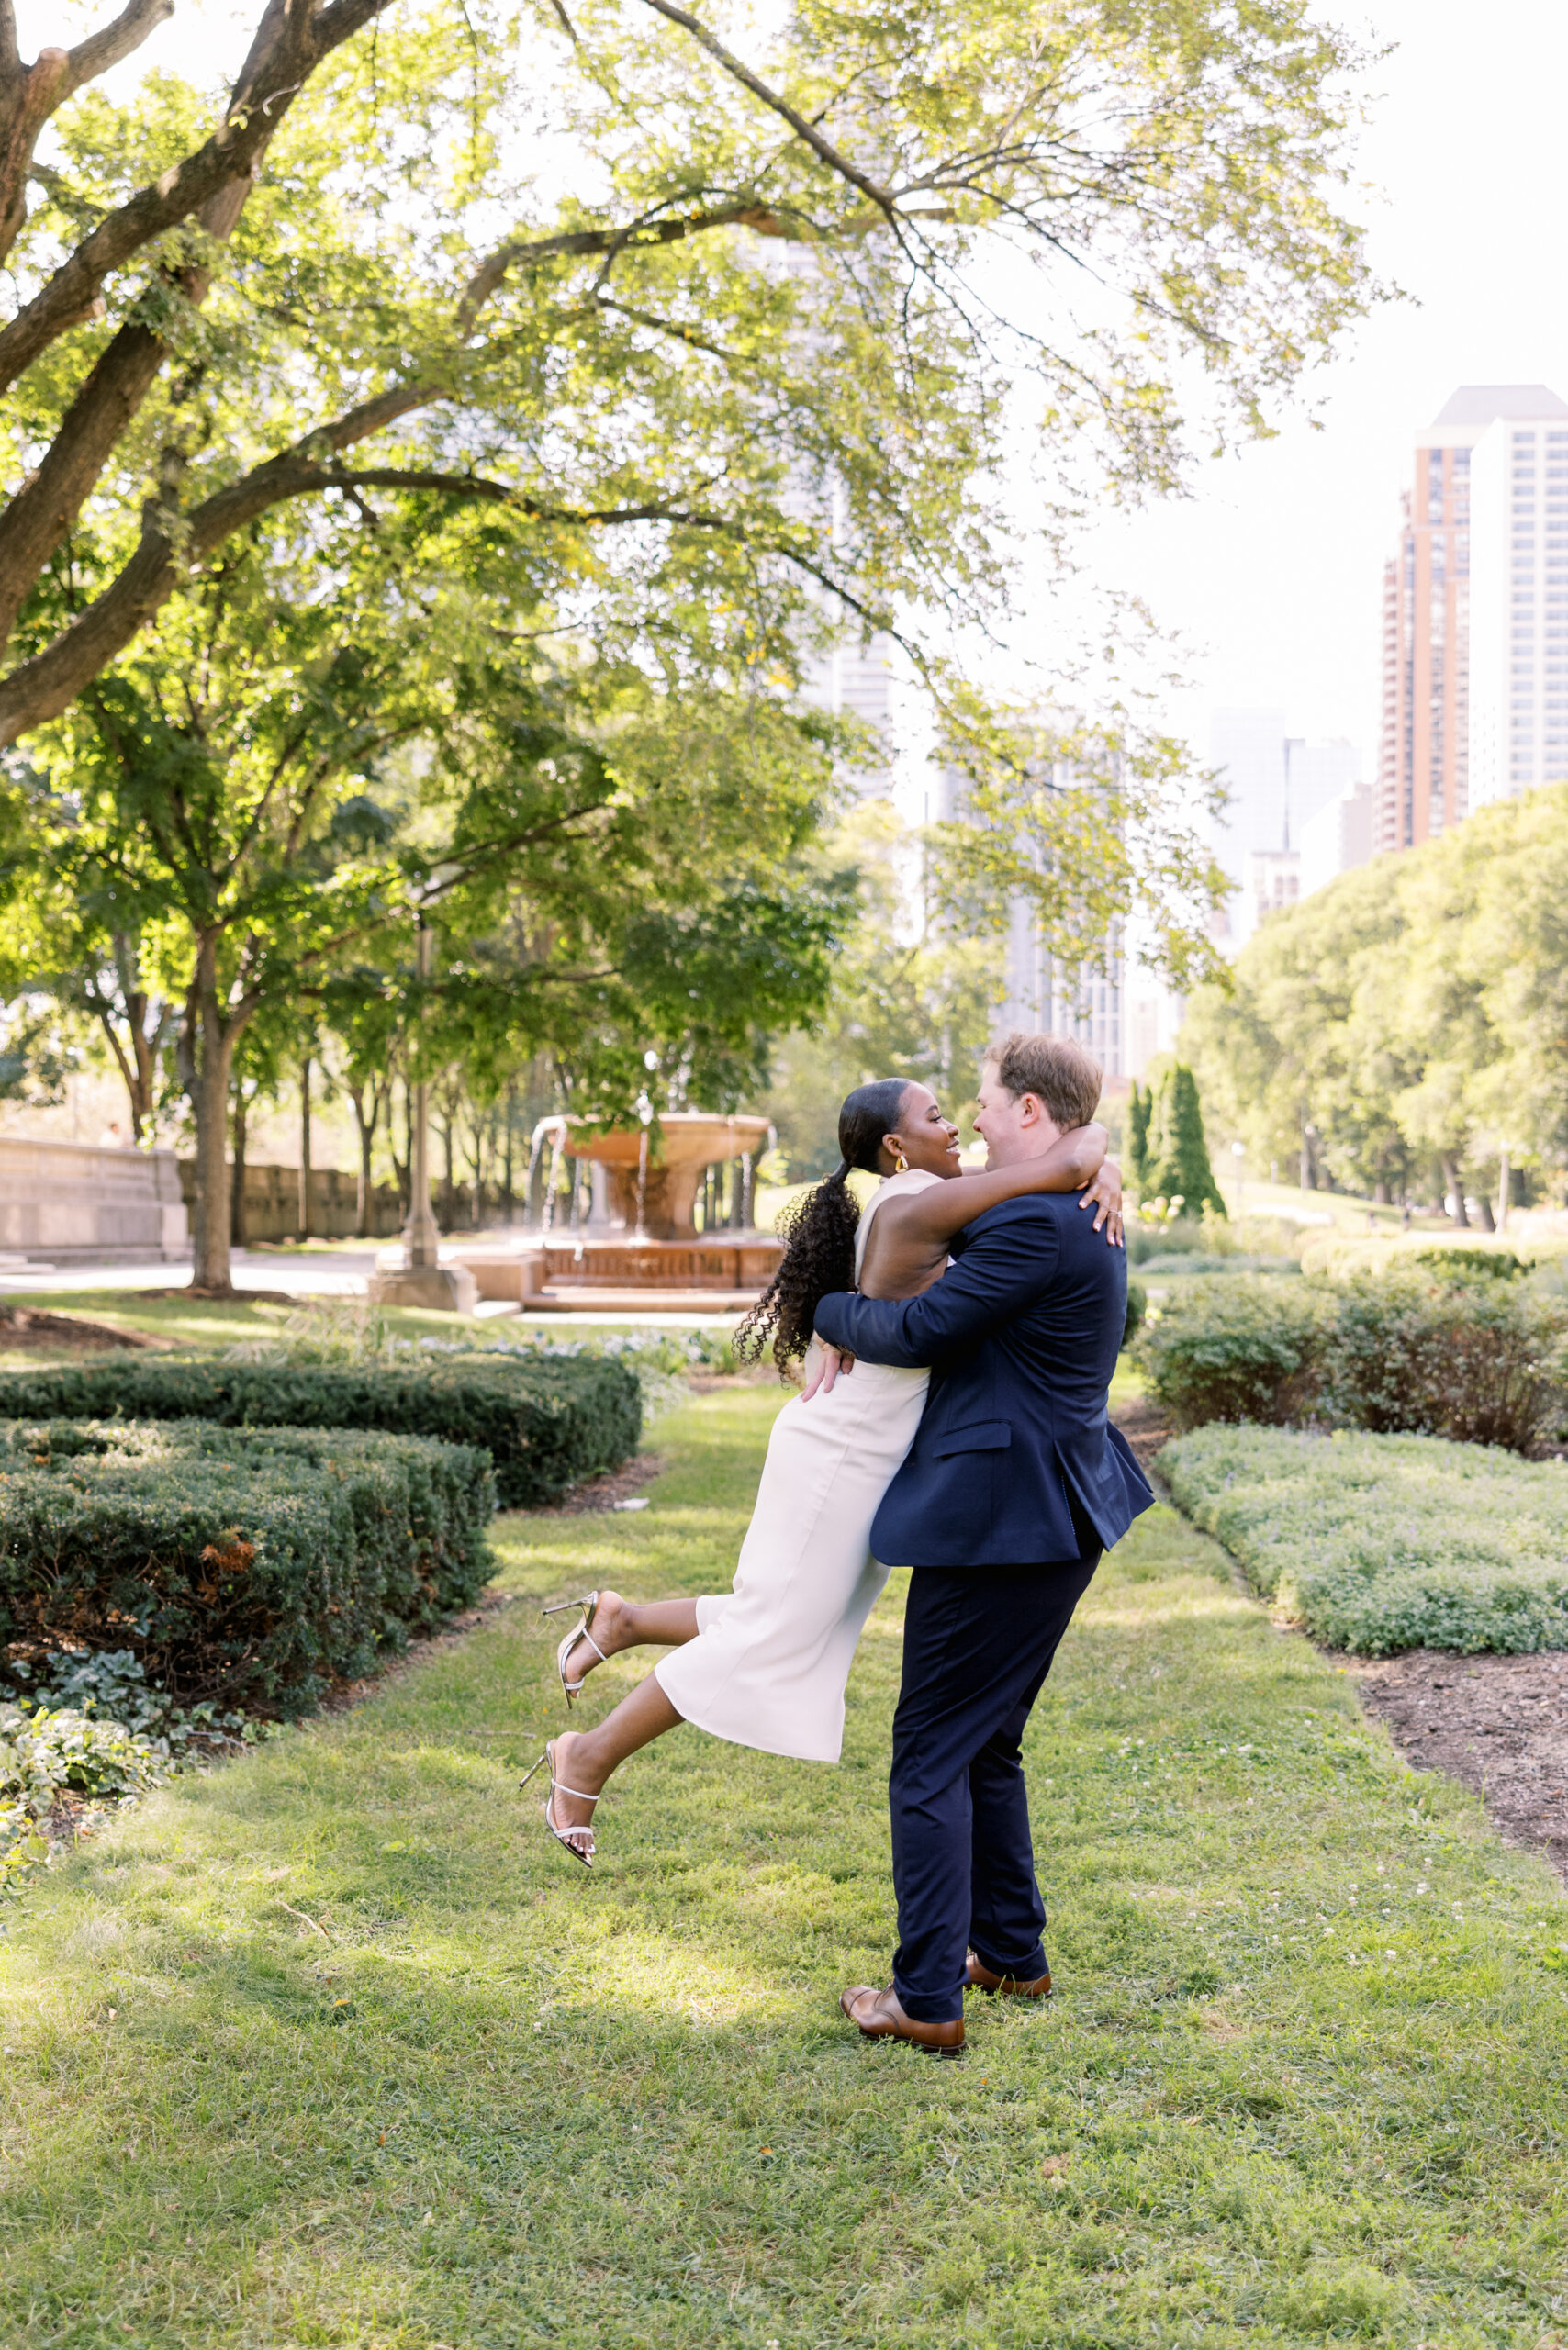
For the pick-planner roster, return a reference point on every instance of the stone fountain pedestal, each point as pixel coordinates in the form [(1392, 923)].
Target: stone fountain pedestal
[(434, 1288)]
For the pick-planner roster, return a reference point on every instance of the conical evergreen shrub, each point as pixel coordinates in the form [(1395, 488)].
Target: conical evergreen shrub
[(1140, 1104), (1176, 1153)]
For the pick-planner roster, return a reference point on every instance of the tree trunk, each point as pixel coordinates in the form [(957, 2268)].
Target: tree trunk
[(365, 1194), (238, 1230), (1483, 1209), (212, 1062), (1455, 1190), (476, 1130), (449, 1177), (305, 1150), (1504, 1189), (508, 1197)]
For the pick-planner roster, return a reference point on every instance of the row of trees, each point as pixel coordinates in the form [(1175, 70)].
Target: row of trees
[(1405, 1030), (401, 534)]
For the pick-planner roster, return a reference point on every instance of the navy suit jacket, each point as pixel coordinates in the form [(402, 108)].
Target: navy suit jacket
[(1022, 1334)]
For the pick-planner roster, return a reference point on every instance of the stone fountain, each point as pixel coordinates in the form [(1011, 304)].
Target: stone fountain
[(640, 1249)]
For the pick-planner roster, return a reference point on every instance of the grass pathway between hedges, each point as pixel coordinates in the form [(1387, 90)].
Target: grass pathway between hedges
[(1286, 2093)]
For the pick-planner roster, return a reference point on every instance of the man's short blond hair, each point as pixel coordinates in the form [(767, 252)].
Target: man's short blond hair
[(1061, 1076)]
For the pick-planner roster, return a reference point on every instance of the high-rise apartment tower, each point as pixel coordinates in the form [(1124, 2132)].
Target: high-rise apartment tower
[(1442, 749)]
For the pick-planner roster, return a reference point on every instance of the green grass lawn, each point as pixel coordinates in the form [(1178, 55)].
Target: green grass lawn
[(334, 2047)]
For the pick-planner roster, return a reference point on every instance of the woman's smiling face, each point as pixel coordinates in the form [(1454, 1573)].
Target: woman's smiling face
[(925, 1137)]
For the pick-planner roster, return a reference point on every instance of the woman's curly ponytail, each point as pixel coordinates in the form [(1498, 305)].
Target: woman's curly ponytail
[(818, 1231)]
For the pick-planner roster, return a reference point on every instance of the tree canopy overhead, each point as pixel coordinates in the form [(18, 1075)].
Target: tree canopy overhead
[(244, 815), (527, 393), (660, 291)]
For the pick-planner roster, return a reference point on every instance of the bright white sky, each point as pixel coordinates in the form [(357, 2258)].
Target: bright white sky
[(1273, 571)]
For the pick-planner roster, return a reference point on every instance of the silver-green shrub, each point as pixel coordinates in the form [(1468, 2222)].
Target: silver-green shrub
[(1377, 1543)]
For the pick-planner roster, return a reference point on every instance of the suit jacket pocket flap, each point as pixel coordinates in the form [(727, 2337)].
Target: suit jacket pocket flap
[(981, 1436)]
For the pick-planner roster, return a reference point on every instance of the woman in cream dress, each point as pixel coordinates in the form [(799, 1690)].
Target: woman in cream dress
[(764, 1665)]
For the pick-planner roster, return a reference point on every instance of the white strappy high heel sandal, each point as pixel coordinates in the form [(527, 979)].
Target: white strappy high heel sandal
[(565, 1836), (572, 1689)]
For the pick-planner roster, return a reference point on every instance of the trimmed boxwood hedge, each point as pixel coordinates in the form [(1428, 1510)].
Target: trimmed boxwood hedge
[(545, 1426), (251, 1564)]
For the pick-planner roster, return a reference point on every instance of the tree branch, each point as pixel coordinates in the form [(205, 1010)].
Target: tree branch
[(218, 172), (522, 253), (30, 94), (822, 148), (117, 40), (40, 689)]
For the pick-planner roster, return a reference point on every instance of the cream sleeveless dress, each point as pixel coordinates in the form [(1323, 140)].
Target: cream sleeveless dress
[(771, 1657)]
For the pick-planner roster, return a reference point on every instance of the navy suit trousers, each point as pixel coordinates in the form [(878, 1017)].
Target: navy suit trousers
[(978, 1642)]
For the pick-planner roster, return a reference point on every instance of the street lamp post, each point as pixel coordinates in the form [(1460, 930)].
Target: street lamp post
[(422, 1238)]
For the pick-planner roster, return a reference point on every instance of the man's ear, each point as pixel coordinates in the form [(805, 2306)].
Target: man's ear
[(1031, 1109)]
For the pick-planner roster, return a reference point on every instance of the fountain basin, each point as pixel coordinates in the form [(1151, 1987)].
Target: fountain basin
[(688, 1143)]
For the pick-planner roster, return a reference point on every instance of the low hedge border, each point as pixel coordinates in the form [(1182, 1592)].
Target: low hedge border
[(1377, 1543), (253, 1566), (545, 1426)]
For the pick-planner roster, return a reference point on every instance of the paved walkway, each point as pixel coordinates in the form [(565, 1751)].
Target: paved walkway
[(318, 1272), (325, 1273)]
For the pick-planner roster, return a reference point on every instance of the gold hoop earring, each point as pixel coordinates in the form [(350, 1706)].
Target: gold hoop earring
[(901, 1164)]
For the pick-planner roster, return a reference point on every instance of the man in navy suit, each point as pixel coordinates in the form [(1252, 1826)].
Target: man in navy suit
[(1016, 1482)]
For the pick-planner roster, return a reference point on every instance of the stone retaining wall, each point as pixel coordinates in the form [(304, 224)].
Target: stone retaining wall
[(272, 1203), (65, 1201)]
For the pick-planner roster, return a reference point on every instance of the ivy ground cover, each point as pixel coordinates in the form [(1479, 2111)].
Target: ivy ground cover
[(1377, 1543), (335, 2048)]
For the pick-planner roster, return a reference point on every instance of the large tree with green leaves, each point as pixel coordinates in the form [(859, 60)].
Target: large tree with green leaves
[(1304, 1053), (921, 1005), (312, 749), (737, 320), (1414, 1013)]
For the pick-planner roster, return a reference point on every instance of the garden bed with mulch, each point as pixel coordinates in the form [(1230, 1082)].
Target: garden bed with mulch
[(31, 1329), (1499, 1723), (608, 1490)]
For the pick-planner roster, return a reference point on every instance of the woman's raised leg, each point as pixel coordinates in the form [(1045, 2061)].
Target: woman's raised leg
[(627, 1624)]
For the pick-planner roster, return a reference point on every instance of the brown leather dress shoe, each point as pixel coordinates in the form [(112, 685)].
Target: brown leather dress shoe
[(880, 2015), (980, 1978)]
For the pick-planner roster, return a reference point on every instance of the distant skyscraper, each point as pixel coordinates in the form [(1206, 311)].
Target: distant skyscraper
[(1518, 613), (1278, 783), (1434, 611)]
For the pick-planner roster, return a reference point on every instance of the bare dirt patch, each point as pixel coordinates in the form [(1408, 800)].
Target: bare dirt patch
[(1499, 1723), (1146, 1427), (31, 1329), (605, 1491)]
